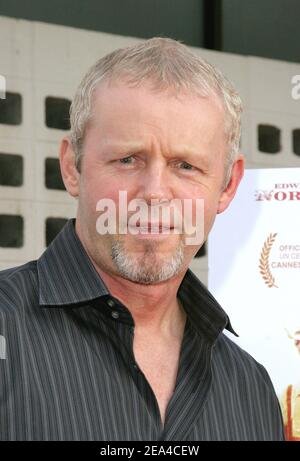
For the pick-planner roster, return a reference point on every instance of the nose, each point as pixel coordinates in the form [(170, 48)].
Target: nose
[(155, 183)]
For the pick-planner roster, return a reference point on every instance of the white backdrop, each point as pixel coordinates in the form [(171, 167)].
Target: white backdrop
[(254, 268)]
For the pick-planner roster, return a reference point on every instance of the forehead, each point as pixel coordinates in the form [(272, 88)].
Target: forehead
[(125, 112)]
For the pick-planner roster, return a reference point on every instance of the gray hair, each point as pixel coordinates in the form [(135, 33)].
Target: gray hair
[(165, 63)]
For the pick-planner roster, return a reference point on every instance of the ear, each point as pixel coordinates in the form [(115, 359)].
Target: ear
[(228, 193), (68, 169)]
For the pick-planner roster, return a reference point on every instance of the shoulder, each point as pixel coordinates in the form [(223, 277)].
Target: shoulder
[(241, 367), (18, 270), (17, 284), (242, 386)]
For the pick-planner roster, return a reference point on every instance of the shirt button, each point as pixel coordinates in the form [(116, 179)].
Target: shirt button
[(115, 314), (110, 302)]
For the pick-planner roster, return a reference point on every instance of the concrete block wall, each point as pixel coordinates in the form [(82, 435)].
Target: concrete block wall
[(41, 60)]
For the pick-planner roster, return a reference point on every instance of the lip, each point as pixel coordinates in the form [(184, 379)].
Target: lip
[(150, 230)]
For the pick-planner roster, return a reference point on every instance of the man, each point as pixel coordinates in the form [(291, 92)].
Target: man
[(290, 401), (110, 336)]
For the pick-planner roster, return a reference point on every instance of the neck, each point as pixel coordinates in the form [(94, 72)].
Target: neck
[(154, 308)]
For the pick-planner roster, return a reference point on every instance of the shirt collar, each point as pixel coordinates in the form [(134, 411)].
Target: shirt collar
[(66, 273), (205, 313), (67, 276)]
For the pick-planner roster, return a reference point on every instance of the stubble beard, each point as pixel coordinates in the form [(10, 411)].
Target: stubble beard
[(149, 266)]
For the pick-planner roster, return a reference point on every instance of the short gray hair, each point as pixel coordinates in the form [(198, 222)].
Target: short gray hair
[(166, 63)]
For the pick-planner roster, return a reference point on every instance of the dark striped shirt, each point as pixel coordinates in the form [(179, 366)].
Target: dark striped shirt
[(70, 371)]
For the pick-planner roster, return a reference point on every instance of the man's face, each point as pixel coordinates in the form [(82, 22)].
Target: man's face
[(153, 145)]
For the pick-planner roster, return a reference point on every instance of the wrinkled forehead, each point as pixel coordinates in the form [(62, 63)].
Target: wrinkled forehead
[(127, 112), (146, 97), (159, 88)]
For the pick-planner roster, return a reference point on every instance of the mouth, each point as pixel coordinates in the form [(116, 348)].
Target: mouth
[(152, 228)]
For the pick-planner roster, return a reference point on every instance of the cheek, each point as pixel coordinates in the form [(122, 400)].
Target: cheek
[(97, 187)]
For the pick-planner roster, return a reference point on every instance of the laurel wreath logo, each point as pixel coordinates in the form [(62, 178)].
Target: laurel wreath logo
[(264, 262)]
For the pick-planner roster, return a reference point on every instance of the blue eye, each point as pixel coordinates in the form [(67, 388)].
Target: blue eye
[(126, 160), (186, 166)]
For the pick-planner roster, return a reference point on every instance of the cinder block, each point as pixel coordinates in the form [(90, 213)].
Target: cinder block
[(293, 69), (25, 129), (23, 148), (41, 92), (26, 210), (63, 54), (16, 48), (45, 150), (86, 47), (292, 123), (270, 86), (233, 66), (51, 53), (44, 210), (284, 158)]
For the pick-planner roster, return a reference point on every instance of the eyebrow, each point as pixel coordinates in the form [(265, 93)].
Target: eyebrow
[(189, 153), (184, 152)]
